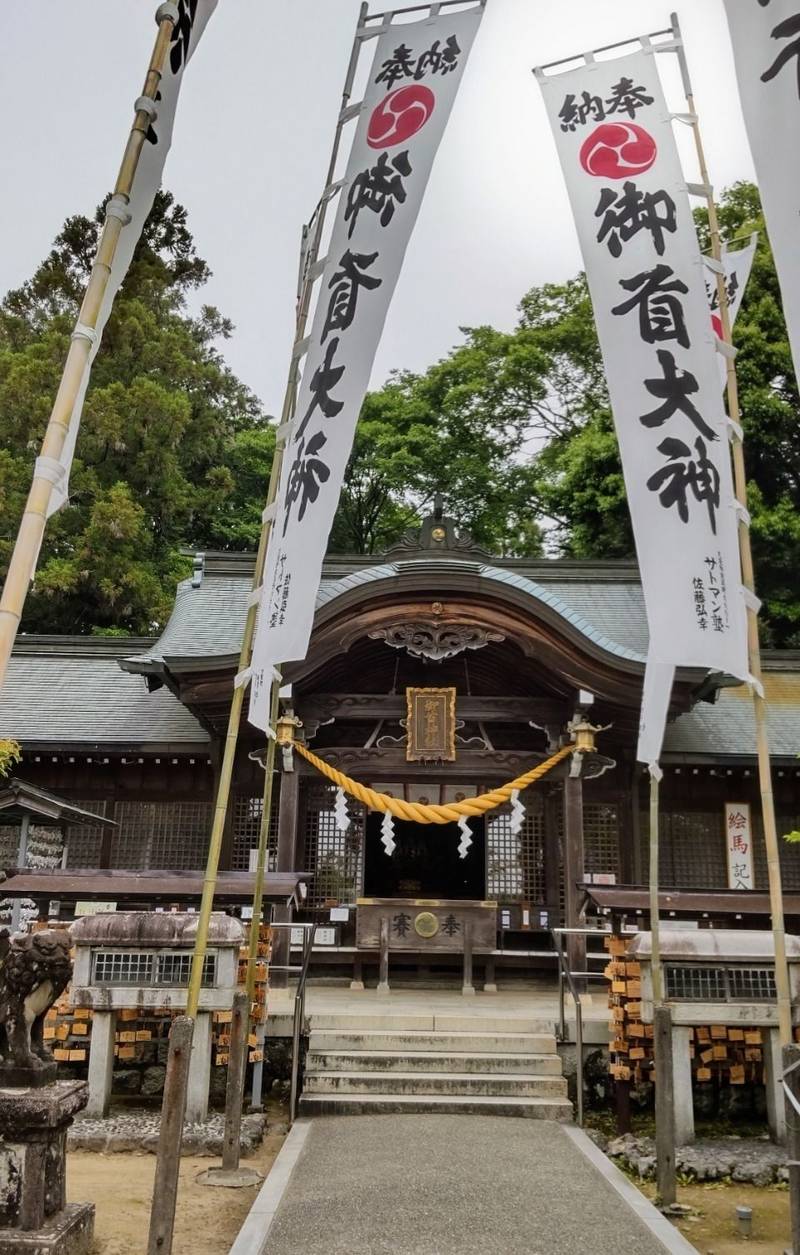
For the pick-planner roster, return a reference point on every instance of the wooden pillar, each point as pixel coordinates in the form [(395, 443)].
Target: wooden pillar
[(288, 814), (106, 859), (573, 869), (467, 987), (636, 824), (628, 831), (383, 962), (552, 853)]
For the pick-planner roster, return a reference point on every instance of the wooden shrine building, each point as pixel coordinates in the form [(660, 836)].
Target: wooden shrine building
[(132, 729)]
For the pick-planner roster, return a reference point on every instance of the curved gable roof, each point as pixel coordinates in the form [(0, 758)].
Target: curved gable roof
[(207, 620)]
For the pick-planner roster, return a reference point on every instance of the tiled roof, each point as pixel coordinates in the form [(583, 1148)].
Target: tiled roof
[(64, 691), (71, 691), (604, 604), (728, 726)]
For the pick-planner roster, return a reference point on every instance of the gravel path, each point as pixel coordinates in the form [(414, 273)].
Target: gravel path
[(451, 1185)]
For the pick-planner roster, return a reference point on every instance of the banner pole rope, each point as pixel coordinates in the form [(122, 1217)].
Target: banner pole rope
[(22, 567), (784, 1002), (308, 260)]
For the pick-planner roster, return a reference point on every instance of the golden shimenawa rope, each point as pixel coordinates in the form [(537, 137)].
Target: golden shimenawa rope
[(421, 812)]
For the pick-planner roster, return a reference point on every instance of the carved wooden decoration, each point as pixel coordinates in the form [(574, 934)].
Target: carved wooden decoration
[(431, 725), (435, 641)]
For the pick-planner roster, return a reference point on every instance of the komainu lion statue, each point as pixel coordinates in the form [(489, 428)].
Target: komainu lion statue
[(34, 971)]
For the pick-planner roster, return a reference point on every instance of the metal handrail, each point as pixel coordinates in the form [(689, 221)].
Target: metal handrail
[(564, 973), (299, 1015)]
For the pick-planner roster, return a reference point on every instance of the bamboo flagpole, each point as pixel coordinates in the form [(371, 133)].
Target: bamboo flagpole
[(370, 26), (48, 470), (655, 930), (748, 572), (312, 242)]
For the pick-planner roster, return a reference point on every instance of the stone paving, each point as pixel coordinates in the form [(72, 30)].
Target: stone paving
[(753, 1161), (137, 1130)]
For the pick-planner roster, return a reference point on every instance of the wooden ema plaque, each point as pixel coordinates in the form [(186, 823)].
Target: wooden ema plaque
[(431, 725), (420, 924)]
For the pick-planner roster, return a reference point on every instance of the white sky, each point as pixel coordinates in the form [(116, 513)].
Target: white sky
[(252, 139)]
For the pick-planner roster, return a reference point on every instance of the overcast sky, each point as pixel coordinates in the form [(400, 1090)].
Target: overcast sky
[(252, 138)]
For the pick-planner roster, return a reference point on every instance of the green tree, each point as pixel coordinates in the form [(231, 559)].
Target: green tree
[(459, 429), (173, 451)]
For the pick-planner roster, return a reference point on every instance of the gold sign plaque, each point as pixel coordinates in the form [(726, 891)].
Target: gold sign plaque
[(426, 925), (431, 725)]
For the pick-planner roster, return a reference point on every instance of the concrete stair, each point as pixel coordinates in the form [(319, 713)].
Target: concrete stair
[(448, 1064)]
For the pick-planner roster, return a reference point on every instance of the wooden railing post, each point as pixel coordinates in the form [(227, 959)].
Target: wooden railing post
[(665, 1108)]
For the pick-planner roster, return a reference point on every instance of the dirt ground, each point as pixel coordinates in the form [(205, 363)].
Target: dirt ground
[(713, 1229), (120, 1186)]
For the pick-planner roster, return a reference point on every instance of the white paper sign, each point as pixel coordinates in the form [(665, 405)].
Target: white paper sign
[(413, 83), (647, 280), (766, 48), (739, 845), (194, 16)]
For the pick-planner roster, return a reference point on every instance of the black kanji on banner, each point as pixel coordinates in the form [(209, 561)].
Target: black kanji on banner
[(785, 30), (182, 34), (152, 133), (674, 389), (404, 65), (307, 474), (625, 215), (625, 98), (683, 474), (379, 189), (345, 286), (323, 381), (661, 315)]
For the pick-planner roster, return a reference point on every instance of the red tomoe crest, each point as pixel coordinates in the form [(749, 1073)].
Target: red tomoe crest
[(618, 150), (400, 115), (716, 323)]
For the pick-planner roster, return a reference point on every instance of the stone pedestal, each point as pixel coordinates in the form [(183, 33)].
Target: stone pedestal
[(101, 1063), (34, 1214), (199, 1070), (682, 1085), (773, 1081)]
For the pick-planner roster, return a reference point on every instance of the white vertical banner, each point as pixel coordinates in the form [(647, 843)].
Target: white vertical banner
[(766, 49), (738, 263), (192, 21), (739, 845), (413, 83), (646, 276)]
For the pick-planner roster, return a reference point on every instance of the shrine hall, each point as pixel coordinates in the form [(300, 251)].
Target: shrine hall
[(436, 672)]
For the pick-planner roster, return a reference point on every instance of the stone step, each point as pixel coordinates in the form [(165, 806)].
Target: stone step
[(443, 1084), (388, 1021), (430, 1061), (451, 1104), (465, 1023), (372, 1022), (416, 1040)]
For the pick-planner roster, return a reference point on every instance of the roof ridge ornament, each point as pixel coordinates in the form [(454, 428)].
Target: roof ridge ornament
[(438, 533)]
